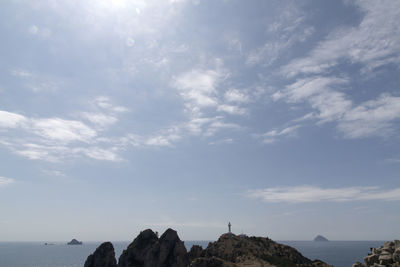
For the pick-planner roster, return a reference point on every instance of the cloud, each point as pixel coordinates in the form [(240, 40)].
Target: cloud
[(11, 120), (273, 136), (36, 82), (4, 181), (63, 130), (372, 118), (198, 86), (233, 110), (307, 194), (99, 119), (234, 95), (373, 43), (283, 33), (105, 103)]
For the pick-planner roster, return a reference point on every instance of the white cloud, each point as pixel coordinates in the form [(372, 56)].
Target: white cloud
[(6, 181), (234, 110), (99, 119), (374, 42), (283, 33), (11, 120), (234, 95), (304, 194), (63, 130), (272, 136), (100, 153), (199, 86), (372, 118), (105, 103)]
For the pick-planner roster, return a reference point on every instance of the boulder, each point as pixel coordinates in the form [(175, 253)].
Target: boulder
[(136, 253), (358, 264), (385, 259), (396, 255), (169, 251), (396, 244), (371, 259), (104, 256)]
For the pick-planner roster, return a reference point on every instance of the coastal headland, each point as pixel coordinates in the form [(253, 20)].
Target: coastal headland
[(230, 250)]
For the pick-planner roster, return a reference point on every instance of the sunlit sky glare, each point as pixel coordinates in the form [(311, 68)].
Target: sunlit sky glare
[(281, 117)]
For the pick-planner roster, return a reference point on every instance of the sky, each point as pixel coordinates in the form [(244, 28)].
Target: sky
[(281, 117)]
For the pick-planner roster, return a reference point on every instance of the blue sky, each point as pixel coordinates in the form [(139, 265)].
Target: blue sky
[(279, 116)]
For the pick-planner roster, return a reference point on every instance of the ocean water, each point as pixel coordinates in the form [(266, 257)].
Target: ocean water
[(36, 254), (336, 253)]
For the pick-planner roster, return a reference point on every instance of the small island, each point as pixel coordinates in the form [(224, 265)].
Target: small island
[(320, 238), (74, 242)]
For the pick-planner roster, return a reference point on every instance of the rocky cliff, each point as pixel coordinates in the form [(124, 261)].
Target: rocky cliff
[(387, 255), (104, 256), (147, 250), (232, 250)]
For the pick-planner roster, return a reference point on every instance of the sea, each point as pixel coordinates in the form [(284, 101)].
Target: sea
[(37, 254)]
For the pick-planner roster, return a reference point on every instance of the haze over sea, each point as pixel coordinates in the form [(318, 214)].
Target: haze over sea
[(36, 254)]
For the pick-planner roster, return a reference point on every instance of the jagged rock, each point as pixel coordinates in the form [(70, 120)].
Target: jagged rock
[(396, 255), (358, 264), (371, 259), (104, 256), (168, 251), (136, 253), (385, 259), (149, 251), (396, 244), (256, 251), (195, 252)]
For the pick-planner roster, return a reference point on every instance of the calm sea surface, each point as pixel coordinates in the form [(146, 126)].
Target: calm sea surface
[(35, 254)]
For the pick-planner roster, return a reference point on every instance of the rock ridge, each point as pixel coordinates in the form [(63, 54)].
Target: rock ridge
[(230, 250)]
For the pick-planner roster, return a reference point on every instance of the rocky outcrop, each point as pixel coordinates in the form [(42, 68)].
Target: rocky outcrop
[(74, 242), (320, 238), (387, 255), (149, 251), (195, 252), (136, 253), (104, 256), (255, 251)]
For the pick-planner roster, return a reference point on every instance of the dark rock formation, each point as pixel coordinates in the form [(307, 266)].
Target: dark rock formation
[(74, 242), (136, 253), (387, 255), (104, 256), (149, 251), (255, 251), (320, 238), (195, 252), (168, 251)]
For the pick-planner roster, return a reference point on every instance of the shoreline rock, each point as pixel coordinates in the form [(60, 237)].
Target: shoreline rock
[(387, 255)]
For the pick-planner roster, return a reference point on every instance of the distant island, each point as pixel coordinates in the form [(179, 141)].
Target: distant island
[(320, 238), (74, 242)]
